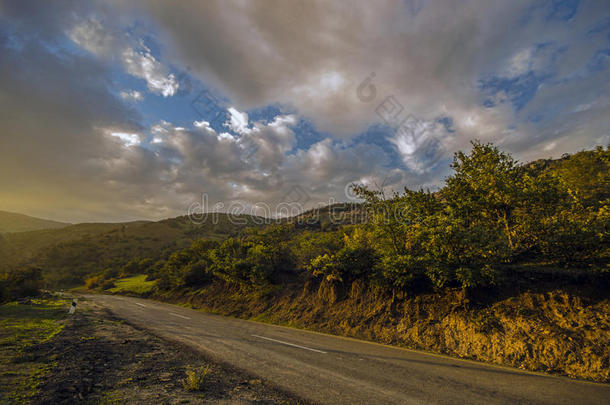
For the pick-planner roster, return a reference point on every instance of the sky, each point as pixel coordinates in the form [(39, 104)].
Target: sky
[(149, 109)]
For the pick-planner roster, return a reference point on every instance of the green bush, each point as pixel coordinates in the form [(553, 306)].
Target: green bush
[(195, 378), (491, 212), (19, 283), (93, 282)]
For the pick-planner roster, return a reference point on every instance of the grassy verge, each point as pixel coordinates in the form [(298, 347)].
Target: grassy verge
[(135, 284), (105, 360), (22, 327)]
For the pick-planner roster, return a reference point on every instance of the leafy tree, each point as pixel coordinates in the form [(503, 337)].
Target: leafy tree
[(485, 188), (22, 282), (308, 245), (244, 262), (355, 260)]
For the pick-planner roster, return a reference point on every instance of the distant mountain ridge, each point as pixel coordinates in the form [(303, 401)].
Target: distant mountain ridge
[(71, 253), (13, 222)]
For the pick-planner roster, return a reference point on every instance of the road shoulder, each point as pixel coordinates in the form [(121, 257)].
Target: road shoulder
[(99, 358)]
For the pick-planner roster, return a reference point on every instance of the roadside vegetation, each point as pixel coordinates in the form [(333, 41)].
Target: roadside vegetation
[(91, 357), (507, 262), (195, 379), (493, 217), (19, 283), (23, 326)]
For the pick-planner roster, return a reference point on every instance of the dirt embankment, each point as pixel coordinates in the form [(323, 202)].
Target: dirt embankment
[(551, 331), (101, 359)]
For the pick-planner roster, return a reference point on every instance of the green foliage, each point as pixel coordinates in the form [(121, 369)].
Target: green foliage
[(244, 262), (73, 253), (195, 378), (24, 282), (492, 213), (586, 176), (355, 260), (306, 246), (485, 190), (93, 282), (325, 265)]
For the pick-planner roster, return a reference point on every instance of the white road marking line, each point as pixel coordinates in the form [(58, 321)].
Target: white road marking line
[(179, 316), (290, 344), (142, 305)]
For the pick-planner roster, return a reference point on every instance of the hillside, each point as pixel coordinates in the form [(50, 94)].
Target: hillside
[(69, 254), (13, 222), (501, 246), (504, 264)]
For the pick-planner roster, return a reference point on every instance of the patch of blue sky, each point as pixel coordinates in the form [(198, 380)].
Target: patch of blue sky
[(519, 90), (551, 10), (14, 38), (9, 37), (549, 112), (447, 122), (489, 103), (64, 48), (146, 33), (379, 134), (192, 102), (562, 9), (306, 134), (556, 50), (600, 27), (599, 61), (205, 104), (268, 113)]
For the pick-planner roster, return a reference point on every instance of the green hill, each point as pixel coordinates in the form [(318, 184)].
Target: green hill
[(69, 254), (12, 222), (547, 211)]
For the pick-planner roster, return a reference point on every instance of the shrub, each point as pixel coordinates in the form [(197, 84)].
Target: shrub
[(196, 274), (93, 282), (400, 271), (20, 283), (110, 273), (195, 378), (325, 265)]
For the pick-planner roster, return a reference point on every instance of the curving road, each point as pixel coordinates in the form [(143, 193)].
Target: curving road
[(334, 370)]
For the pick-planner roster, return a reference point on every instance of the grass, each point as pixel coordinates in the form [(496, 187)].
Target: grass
[(135, 284), (23, 326), (195, 378)]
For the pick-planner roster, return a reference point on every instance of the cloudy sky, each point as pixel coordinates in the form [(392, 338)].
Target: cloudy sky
[(115, 112)]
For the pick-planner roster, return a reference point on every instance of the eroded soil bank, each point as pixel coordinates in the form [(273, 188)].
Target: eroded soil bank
[(559, 331)]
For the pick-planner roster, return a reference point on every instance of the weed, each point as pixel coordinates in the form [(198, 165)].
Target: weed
[(195, 378)]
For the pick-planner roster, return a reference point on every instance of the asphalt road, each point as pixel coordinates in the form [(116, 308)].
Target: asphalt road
[(333, 370)]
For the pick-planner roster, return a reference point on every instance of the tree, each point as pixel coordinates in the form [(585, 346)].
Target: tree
[(22, 282), (485, 188)]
